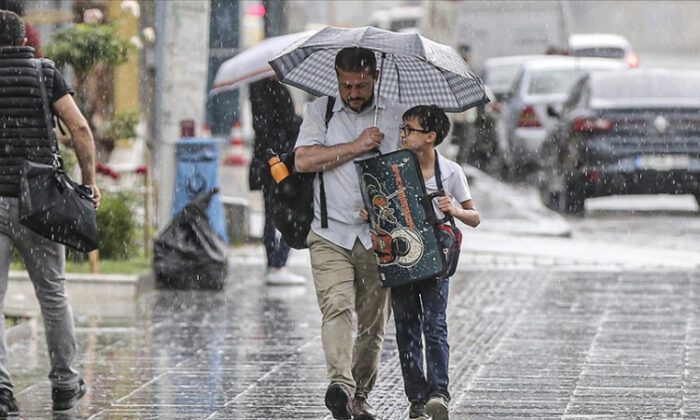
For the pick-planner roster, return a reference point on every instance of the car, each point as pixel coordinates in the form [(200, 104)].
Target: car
[(498, 75), (603, 46), (500, 72), (624, 132), (539, 85)]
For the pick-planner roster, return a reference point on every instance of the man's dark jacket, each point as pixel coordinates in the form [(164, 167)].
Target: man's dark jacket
[(23, 133)]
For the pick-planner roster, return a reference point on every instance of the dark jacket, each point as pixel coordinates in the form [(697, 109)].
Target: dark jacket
[(275, 124), (23, 133)]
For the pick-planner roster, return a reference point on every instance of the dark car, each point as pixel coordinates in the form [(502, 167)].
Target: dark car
[(623, 132)]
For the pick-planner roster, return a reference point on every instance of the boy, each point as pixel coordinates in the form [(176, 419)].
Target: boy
[(420, 308)]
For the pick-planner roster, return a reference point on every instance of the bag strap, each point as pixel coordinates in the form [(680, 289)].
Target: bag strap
[(45, 105), (324, 208), (438, 180)]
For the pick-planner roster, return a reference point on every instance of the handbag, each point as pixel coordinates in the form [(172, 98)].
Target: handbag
[(449, 236), (50, 203)]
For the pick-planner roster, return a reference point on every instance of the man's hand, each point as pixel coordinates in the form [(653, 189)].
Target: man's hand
[(370, 139), (96, 195)]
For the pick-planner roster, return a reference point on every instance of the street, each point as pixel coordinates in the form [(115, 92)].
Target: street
[(549, 317)]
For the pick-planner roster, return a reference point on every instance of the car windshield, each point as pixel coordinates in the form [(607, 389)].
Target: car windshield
[(686, 86), (501, 76), (548, 82), (602, 52)]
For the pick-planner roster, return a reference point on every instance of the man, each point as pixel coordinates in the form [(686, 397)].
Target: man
[(23, 135), (344, 267)]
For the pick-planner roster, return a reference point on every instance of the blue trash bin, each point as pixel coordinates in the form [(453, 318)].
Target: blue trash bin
[(197, 171)]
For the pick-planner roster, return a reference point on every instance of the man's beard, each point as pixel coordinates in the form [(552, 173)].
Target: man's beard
[(364, 106)]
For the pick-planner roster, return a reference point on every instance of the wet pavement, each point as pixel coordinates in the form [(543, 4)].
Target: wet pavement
[(541, 327), (527, 342)]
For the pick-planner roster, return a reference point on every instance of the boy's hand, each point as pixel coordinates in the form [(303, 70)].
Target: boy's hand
[(446, 206), (364, 215)]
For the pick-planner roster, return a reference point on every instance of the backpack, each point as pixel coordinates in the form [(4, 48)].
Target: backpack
[(291, 202)]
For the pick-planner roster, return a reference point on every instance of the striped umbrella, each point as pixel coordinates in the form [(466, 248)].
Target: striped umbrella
[(413, 69)]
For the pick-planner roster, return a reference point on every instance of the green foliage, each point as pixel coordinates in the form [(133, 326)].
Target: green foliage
[(123, 126), (84, 45), (117, 226)]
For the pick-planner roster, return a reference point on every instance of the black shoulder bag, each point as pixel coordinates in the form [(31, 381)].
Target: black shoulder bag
[(50, 203)]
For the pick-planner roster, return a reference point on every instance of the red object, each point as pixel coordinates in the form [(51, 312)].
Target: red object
[(591, 125), (257, 10), (237, 152), (104, 169), (632, 60), (528, 118), (33, 39), (186, 128)]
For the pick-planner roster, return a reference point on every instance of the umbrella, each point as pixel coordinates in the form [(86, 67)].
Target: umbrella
[(251, 64), (413, 69)]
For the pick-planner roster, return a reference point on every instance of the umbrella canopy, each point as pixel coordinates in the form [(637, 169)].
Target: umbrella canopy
[(251, 64), (414, 69)]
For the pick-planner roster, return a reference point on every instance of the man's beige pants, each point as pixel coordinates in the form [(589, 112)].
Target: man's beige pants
[(346, 281)]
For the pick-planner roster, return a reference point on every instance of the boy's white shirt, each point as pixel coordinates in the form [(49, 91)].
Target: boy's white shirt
[(454, 182)]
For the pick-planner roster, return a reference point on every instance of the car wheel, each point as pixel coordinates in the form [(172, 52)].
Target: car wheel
[(571, 200)]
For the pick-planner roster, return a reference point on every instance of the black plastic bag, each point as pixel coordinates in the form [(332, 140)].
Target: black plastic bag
[(189, 254)]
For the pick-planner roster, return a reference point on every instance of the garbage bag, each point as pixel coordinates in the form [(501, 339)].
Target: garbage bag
[(189, 254)]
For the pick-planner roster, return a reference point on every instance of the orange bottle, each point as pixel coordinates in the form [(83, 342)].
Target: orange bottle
[(278, 169)]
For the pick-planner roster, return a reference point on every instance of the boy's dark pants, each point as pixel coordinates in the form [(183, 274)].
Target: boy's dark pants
[(421, 308)]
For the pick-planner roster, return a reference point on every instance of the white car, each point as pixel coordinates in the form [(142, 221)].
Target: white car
[(525, 119), (603, 46), (499, 72)]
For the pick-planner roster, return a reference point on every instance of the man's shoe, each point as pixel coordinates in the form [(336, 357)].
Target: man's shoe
[(283, 277), (339, 402), (417, 411), (8, 404), (438, 407), (361, 410), (65, 399)]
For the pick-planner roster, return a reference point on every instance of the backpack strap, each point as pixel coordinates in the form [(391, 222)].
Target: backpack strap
[(438, 181), (324, 209)]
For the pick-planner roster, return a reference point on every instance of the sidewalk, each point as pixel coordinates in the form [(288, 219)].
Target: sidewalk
[(526, 342)]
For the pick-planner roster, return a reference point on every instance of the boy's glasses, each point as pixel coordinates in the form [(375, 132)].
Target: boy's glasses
[(406, 130)]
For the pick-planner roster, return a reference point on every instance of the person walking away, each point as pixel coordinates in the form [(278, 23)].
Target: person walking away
[(345, 273), (420, 309), (23, 135), (276, 127), (30, 32)]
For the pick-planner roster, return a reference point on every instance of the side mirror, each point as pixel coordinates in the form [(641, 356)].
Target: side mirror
[(553, 111)]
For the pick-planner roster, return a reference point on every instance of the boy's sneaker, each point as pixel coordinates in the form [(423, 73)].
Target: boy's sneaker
[(65, 399), (339, 401), (8, 404), (417, 412), (283, 277), (438, 408)]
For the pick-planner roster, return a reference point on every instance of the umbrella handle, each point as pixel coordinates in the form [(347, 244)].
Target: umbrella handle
[(379, 87)]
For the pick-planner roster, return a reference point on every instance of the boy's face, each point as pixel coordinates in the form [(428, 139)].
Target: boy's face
[(415, 137)]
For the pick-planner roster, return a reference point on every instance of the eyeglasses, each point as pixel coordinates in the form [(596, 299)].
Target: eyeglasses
[(406, 130)]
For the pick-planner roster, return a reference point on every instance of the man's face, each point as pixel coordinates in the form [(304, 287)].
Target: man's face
[(356, 89)]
